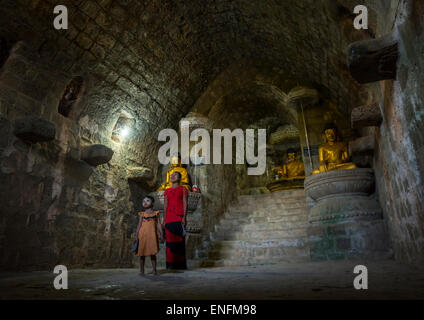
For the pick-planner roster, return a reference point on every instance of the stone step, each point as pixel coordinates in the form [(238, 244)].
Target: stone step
[(258, 219), (259, 229), (287, 242), (280, 208), (249, 261), (271, 196), (246, 253), (226, 226), (265, 213), (255, 203), (274, 195), (277, 225), (255, 234)]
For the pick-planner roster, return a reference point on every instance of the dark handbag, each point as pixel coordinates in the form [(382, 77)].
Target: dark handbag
[(135, 246)]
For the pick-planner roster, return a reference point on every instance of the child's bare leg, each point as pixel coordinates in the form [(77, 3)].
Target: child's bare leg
[(153, 258), (142, 265)]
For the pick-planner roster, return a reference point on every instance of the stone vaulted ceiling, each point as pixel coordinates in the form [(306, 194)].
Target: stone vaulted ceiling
[(156, 57)]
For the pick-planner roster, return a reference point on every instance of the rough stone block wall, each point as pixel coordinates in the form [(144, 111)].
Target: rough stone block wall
[(55, 207), (399, 164)]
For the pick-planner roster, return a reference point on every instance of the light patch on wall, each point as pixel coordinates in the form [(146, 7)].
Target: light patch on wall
[(123, 127)]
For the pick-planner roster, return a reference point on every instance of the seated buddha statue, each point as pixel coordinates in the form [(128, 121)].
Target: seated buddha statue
[(333, 154), (175, 167), (293, 168)]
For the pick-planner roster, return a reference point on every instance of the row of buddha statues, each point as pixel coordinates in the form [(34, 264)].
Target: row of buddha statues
[(333, 155)]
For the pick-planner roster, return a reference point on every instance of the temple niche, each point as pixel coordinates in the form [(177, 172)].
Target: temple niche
[(70, 96), (288, 171), (4, 51)]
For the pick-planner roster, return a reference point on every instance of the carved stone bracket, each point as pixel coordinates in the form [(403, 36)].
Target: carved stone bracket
[(366, 116), (96, 154), (373, 60), (140, 174), (362, 145), (34, 129)]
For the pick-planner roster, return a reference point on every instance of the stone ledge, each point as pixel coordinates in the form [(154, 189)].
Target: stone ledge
[(140, 174), (373, 60), (96, 154), (34, 129), (366, 116)]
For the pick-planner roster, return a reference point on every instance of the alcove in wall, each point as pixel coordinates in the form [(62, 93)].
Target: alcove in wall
[(4, 51), (71, 95)]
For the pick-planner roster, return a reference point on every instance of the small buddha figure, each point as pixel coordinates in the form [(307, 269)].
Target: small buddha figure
[(277, 171), (293, 168), (175, 167), (333, 154), (288, 176)]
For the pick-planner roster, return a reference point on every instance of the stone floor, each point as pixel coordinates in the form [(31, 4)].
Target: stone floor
[(312, 280)]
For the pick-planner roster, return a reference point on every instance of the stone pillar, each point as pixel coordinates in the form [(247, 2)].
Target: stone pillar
[(345, 217)]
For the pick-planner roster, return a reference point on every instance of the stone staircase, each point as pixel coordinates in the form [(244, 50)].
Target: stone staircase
[(259, 229)]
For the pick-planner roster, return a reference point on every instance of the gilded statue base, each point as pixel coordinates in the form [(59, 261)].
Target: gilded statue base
[(285, 184)]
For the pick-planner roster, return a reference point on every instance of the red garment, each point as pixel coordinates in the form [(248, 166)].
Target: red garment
[(175, 242), (175, 210)]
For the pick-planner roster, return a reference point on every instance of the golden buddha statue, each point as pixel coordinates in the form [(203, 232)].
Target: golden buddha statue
[(175, 167), (293, 168), (333, 154), (288, 176)]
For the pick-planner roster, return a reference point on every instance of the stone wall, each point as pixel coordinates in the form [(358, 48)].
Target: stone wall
[(399, 151), (399, 154), (57, 209)]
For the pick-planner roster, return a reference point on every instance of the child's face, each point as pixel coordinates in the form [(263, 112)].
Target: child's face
[(147, 203)]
